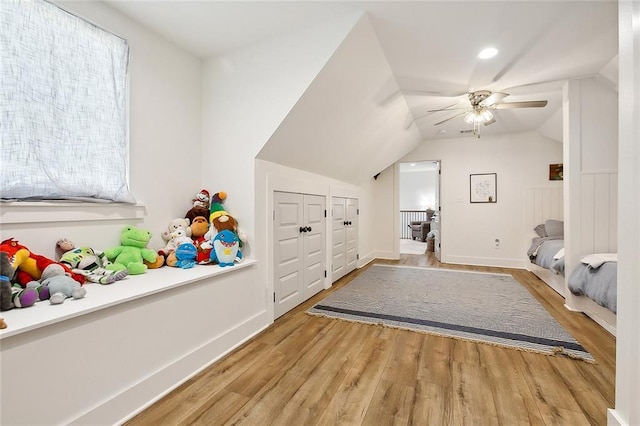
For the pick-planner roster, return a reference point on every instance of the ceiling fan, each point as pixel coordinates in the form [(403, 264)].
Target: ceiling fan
[(482, 102)]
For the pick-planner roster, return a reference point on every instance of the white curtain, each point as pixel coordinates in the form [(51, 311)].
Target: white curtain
[(63, 105)]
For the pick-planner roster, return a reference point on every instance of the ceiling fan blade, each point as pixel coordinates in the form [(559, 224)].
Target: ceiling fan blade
[(494, 98), (450, 118), (523, 104), (493, 120), (432, 93), (448, 108)]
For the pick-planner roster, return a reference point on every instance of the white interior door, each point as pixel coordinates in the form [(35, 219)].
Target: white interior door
[(288, 252), (314, 238), (338, 238), (351, 234)]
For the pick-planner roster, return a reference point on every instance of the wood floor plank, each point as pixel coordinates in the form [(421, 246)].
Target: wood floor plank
[(308, 370), (392, 404), (349, 405)]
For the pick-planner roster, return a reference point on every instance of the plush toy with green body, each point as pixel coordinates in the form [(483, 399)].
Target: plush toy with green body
[(132, 251)]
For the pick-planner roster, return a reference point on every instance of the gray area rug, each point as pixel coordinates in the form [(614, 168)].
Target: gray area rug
[(481, 307)]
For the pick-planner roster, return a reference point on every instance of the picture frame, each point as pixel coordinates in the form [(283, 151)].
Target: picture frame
[(555, 171), (483, 188)]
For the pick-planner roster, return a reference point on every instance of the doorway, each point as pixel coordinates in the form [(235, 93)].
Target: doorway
[(419, 202)]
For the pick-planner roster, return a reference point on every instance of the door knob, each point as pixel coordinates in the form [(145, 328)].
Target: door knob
[(308, 229), (303, 229)]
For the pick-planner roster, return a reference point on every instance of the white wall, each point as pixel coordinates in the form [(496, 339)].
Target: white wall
[(469, 230), (164, 116), (418, 190), (590, 171), (246, 95), (627, 409)]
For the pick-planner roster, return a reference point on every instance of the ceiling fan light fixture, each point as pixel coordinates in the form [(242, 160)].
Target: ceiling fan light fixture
[(487, 53)]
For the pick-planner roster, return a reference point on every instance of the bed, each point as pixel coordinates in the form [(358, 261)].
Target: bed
[(596, 277), (546, 254)]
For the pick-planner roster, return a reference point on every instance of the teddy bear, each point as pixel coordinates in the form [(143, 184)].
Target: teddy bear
[(29, 266), (170, 246), (59, 285), (178, 237), (86, 261), (132, 251)]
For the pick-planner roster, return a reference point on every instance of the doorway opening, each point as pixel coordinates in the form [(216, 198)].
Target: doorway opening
[(419, 201)]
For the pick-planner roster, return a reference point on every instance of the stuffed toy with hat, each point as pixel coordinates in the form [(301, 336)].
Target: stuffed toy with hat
[(221, 220), (88, 262), (202, 199), (132, 251)]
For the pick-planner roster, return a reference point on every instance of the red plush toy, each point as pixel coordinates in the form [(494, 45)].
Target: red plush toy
[(28, 265)]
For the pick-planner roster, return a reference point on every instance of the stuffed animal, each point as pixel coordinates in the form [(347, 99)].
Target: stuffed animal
[(86, 261), (186, 255), (199, 218), (29, 266), (60, 286), (131, 252), (221, 220), (226, 248), (174, 225), (202, 199), (178, 237), (23, 297)]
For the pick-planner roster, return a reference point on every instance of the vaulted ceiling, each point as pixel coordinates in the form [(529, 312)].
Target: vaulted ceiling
[(431, 47)]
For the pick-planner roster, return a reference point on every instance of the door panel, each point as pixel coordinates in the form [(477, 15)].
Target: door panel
[(314, 243), (288, 252), (351, 234), (338, 238)]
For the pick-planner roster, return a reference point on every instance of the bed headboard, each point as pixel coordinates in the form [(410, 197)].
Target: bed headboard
[(542, 203)]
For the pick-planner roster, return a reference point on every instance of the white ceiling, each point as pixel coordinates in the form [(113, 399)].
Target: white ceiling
[(431, 46)]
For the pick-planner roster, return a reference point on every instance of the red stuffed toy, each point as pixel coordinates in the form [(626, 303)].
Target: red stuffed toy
[(28, 265)]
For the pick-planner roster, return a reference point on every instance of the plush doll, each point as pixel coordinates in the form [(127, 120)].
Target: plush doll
[(10, 296), (221, 220), (202, 199), (86, 261), (226, 248), (186, 255), (131, 252), (29, 266), (176, 224), (59, 285), (178, 237), (199, 218)]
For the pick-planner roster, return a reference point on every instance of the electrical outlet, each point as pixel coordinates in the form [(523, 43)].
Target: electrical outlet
[(497, 242)]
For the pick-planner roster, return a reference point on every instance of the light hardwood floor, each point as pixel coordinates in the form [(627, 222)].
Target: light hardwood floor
[(308, 370)]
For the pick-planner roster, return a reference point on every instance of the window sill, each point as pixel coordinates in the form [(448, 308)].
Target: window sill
[(104, 296), (15, 212)]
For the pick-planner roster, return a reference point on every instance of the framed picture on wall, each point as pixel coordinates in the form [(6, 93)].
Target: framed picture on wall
[(483, 188), (555, 171)]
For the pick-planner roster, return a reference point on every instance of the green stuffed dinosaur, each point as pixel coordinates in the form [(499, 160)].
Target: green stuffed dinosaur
[(131, 252)]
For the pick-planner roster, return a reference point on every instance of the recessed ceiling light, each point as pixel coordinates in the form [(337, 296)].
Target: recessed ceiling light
[(442, 131), (413, 164), (487, 53)]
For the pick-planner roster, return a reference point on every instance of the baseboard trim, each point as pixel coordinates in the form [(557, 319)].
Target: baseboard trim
[(613, 419), (148, 391)]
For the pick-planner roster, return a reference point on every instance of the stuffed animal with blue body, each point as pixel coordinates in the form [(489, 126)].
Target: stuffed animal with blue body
[(186, 254), (226, 248)]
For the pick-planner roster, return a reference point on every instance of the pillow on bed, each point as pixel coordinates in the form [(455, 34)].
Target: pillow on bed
[(540, 230), (554, 228)]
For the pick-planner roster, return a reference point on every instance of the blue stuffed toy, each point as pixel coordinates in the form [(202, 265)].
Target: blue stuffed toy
[(186, 254), (226, 248)]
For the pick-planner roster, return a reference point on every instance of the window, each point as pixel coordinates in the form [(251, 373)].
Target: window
[(63, 106)]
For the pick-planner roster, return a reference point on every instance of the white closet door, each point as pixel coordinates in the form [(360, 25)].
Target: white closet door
[(351, 234), (338, 238), (288, 252), (314, 238)]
